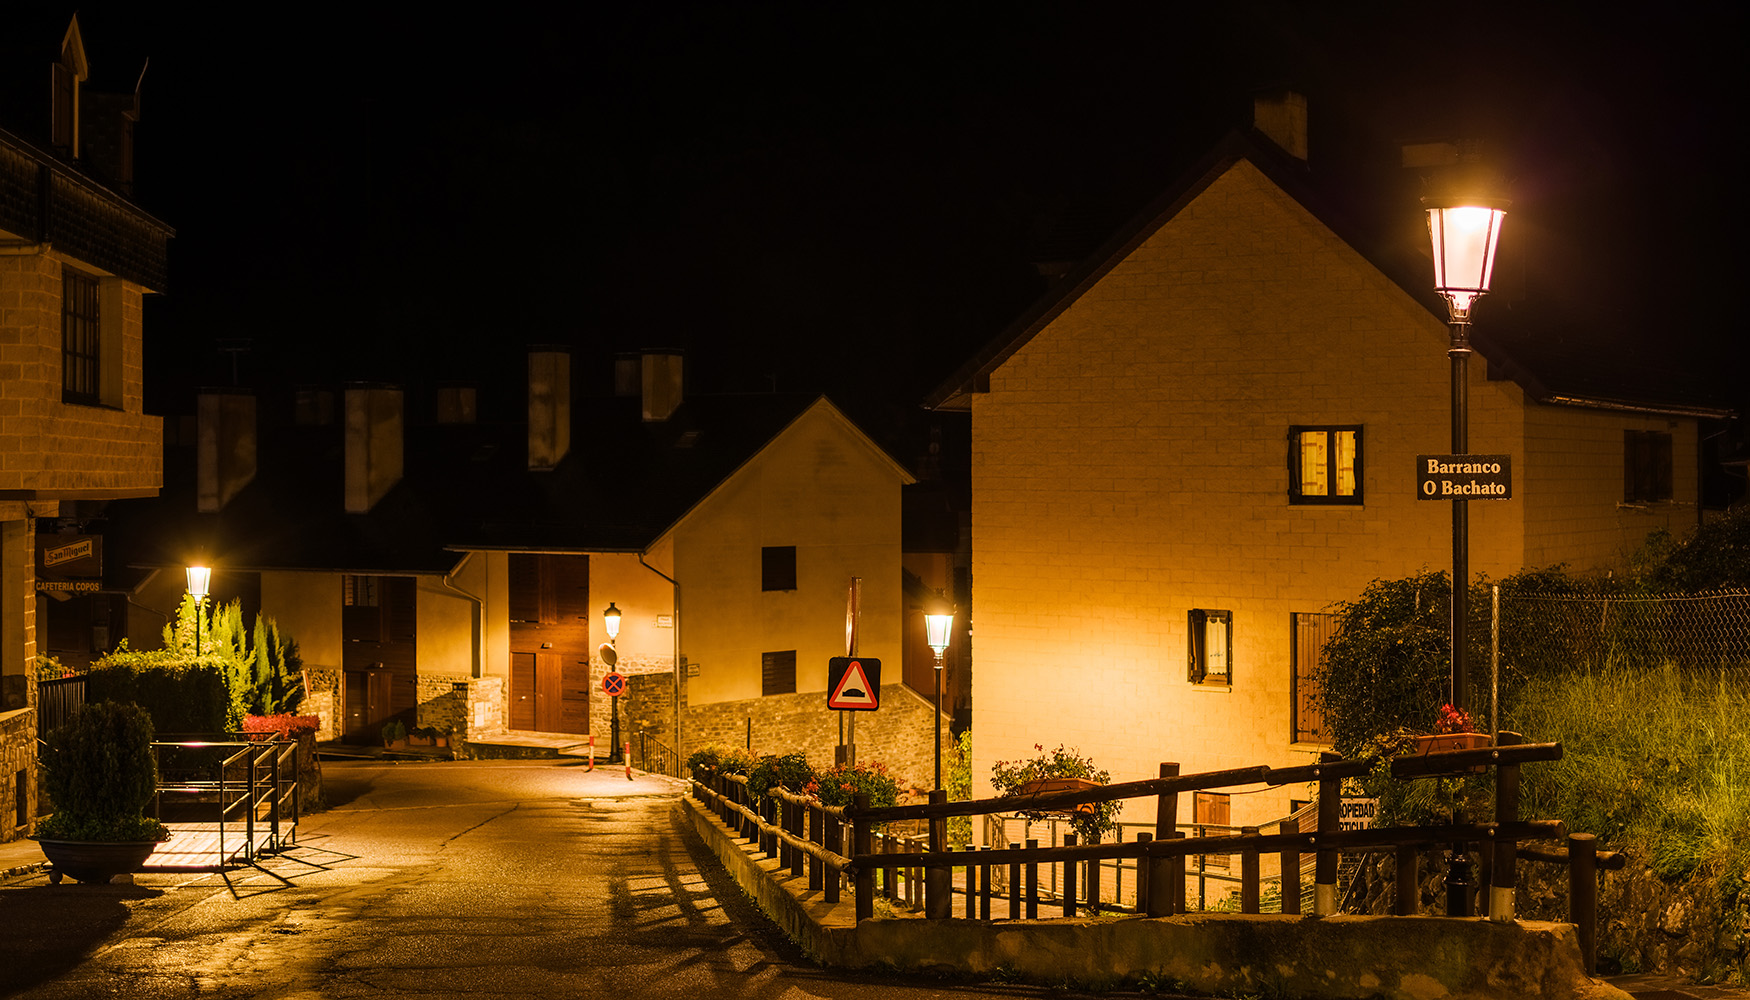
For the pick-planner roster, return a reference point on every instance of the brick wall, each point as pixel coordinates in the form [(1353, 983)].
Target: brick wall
[(322, 699)]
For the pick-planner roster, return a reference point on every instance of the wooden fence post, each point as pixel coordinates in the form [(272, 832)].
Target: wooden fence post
[(1069, 879), (1583, 894), (1503, 875), (1093, 878), (1014, 886), (1167, 805), (1290, 865), (817, 837), (938, 879), (863, 845), (1142, 874), (1176, 877), (1032, 883), (797, 830), (1407, 886), (984, 889), (1325, 872), (833, 839), (1249, 872)]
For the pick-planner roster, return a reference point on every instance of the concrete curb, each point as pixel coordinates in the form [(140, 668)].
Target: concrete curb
[(1327, 958)]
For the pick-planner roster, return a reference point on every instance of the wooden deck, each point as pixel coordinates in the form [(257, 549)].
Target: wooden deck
[(196, 846)]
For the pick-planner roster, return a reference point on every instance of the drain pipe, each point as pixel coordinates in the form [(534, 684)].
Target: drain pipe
[(679, 675), (478, 616)]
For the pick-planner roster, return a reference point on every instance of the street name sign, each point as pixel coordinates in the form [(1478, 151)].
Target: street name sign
[(1464, 477), (853, 683)]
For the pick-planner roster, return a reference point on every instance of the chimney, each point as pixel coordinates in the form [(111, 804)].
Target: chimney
[(549, 406), (224, 446), (1281, 116), (661, 381), (457, 404), (373, 443)]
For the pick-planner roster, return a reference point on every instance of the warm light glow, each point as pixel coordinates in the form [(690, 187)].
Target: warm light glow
[(938, 624), (612, 618), (1463, 240), (200, 579)]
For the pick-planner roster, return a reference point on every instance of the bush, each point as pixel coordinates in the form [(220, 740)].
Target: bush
[(284, 726), (182, 694), (1388, 664), (790, 770), (98, 770), (719, 759), (960, 787)]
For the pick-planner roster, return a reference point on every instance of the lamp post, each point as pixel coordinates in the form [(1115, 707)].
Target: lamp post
[(1463, 237), (938, 624), (611, 619), (200, 580)]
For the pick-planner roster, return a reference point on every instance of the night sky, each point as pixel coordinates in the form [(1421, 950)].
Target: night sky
[(847, 198)]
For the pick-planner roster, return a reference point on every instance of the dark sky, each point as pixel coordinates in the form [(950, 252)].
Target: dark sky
[(845, 197)]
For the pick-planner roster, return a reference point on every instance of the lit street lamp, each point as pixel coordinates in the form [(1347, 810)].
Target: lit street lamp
[(1463, 238), (938, 625), (611, 619), (200, 580)]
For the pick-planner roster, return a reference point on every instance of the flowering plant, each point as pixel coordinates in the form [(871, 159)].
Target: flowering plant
[(1453, 720), (1090, 820), (838, 784)]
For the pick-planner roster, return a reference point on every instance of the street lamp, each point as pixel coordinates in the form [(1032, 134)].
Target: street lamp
[(611, 619), (200, 580), (1463, 236), (938, 625)]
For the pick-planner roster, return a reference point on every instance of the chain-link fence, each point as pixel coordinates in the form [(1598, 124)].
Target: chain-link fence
[(1539, 634)]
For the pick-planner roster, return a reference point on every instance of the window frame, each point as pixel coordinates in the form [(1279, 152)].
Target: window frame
[(81, 337), (1648, 467), (1295, 496), (773, 666), (777, 568), (1198, 621)]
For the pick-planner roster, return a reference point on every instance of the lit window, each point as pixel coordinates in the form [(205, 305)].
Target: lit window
[(1211, 647), (1324, 465)]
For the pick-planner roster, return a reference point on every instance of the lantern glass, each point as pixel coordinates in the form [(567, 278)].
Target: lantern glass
[(612, 619), (936, 630), (1463, 240), (200, 579)]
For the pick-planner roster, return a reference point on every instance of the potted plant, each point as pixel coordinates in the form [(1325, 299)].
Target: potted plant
[(98, 771), (1453, 730), (394, 734), (1058, 770)]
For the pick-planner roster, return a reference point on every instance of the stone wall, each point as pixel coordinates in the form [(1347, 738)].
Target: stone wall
[(443, 702), (485, 708), (322, 699), (18, 763), (897, 734)]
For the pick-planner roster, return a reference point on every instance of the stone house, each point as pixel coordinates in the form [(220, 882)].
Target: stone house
[(77, 259), (1204, 435), (444, 571)]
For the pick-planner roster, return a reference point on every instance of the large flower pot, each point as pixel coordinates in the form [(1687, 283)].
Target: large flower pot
[(1442, 742), (1049, 786), (95, 860)]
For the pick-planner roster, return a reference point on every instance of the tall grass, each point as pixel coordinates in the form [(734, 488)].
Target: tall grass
[(1657, 761)]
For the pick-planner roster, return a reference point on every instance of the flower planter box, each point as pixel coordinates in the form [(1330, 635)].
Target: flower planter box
[(1049, 786), (1443, 742)]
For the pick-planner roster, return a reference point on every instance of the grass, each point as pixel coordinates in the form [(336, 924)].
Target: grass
[(1659, 759)]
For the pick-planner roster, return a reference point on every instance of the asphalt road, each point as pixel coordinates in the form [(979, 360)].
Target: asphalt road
[(477, 880)]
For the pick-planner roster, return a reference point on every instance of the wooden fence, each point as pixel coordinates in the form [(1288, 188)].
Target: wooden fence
[(809, 840)]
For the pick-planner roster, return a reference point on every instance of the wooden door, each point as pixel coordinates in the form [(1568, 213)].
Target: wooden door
[(367, 704), (547, 694), (522, 691)]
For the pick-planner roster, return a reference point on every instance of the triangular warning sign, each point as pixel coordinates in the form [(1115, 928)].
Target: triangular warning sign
[(857, 689)]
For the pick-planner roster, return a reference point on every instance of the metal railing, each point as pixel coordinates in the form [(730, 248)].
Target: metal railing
[(247, 780), (56, 701), (656, 757)]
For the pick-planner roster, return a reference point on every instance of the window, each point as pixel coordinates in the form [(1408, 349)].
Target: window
[(1211, 647), (778, 672), (359, 591), (1308, 632), (1646, 466), (778, 567), (80, 338), (1324, 465)]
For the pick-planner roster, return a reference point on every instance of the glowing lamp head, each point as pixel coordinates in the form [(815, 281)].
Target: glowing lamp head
[(200, 580), (938, 624), (1463, 238), (611, 618)]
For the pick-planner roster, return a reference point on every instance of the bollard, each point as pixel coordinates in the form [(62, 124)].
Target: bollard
[(1583, 895), (591, 753), (626, 755)]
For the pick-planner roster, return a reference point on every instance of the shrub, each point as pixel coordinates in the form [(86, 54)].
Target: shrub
[(1091, 820), (98, 769), (719, 759), (790, 770), (394, 730), (181, 693), (960, 787)]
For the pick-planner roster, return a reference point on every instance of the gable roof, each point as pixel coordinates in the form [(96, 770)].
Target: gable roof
[(624, 484), (1530, 347)]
